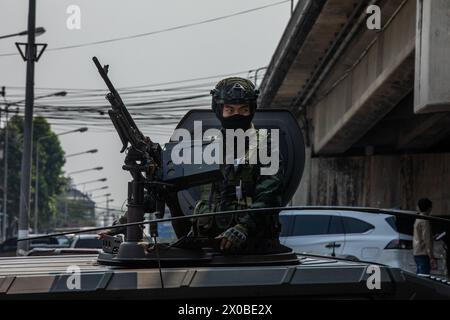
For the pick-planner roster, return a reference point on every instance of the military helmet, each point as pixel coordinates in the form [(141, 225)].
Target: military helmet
[(234, 90)]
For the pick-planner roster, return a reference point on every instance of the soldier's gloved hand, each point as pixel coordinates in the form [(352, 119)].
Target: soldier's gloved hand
[(233, 237), (101, 235)]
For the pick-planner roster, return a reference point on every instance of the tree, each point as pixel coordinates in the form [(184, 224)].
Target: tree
[(51, 161)]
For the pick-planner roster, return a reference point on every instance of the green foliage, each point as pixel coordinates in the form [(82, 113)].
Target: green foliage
[(50, 175)]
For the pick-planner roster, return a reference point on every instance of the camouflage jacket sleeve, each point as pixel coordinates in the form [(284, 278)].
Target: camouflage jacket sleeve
[(267, 194), (122, 220)]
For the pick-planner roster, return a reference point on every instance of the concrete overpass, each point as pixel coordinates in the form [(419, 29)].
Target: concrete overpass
[(374, 104)]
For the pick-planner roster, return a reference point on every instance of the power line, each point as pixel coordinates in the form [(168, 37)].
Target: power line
[(150, 85), (137, 108), (163, 106), (139, 35)]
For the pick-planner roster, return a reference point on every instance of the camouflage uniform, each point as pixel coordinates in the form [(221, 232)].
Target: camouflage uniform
[(123, 219), (243, 187)]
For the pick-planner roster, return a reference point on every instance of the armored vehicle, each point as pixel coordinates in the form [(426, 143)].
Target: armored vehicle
[(193, 267)]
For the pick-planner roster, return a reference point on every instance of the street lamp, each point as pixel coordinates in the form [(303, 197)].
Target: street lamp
[(38, 31), (101, 188), (85, 170), (56, 94), (81, 153), (91, 181), (106, 201), (103, 195), (36, 195)]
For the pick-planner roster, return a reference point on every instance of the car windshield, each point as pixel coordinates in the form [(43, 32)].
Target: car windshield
[(63, 241), (45, 241), (88, 243)]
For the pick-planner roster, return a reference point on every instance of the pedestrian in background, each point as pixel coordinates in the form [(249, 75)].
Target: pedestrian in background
[(423, 239)]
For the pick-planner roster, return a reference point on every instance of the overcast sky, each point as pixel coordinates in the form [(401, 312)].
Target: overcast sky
[(239, 43)]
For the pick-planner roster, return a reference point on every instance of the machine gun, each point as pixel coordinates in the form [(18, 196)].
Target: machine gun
[(142, 161), (151, 169), (141, 147)]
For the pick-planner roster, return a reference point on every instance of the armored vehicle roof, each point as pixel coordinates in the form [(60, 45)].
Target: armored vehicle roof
[(319, 277)]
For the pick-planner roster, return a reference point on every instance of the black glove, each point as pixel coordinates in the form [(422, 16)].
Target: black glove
[(233, 237)]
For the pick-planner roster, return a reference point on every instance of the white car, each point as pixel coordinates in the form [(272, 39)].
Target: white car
[(349, 234), (86, 241)]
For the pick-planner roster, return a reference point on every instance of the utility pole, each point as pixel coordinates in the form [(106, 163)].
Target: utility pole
[(107, 209), (25, 181), (65, 206), (5, 177), (36, 189)]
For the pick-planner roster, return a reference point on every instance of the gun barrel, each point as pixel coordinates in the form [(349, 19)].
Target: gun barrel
[(121, 118), (104, 75)]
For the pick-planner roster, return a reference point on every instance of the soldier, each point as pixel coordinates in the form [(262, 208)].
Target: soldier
[(234, 101), (243, 186)]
